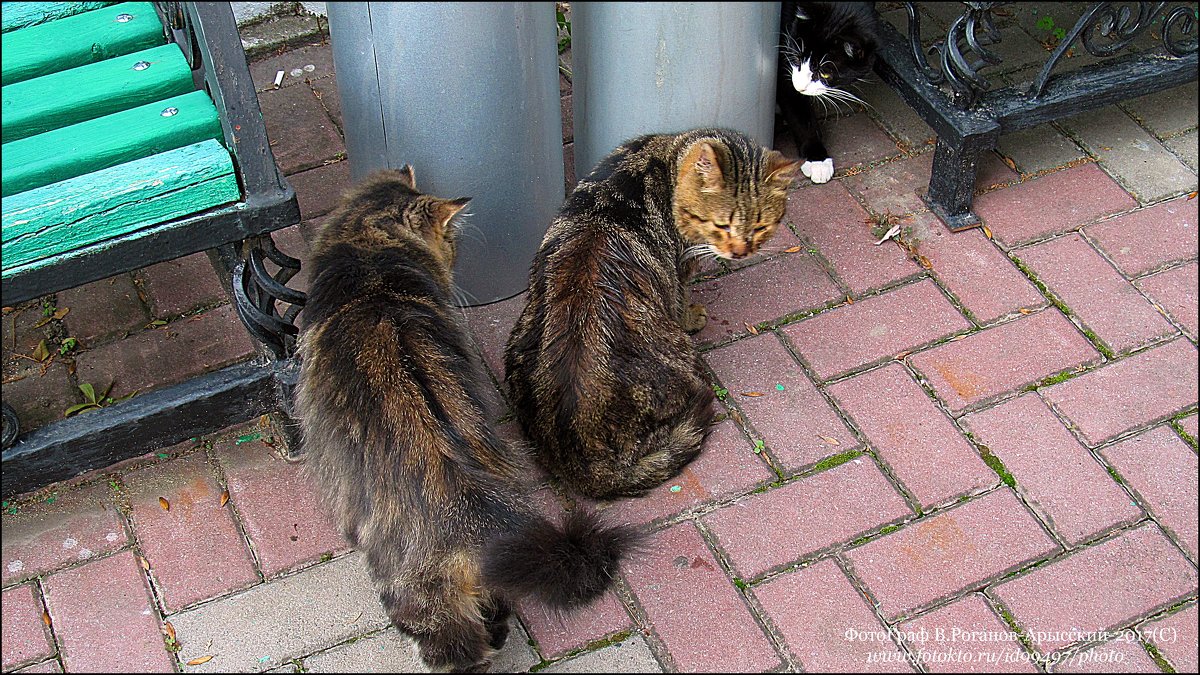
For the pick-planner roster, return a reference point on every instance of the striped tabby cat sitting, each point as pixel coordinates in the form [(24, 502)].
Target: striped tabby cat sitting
[(603, 376)]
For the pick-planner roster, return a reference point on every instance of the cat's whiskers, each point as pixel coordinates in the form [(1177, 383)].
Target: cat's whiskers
[(466, 227), (700, 251)]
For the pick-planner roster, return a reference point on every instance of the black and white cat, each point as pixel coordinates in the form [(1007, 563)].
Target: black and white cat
[(825, 46)]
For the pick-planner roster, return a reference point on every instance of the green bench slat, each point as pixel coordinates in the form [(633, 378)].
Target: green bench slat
[(41, 224), (78, 40), (23, 14), (106, 141), (97, 89)]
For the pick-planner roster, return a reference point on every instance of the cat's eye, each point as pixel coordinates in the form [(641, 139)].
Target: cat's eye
[(825, 74), (724, 227)]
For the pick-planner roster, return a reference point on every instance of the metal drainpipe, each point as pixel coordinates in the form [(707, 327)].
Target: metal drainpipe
[(664, 67), (467, 93)]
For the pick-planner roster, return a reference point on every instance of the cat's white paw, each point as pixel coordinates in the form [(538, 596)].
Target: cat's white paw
[(818, 172)]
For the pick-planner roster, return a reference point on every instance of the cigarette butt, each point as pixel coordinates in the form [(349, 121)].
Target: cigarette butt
[(278, 79)]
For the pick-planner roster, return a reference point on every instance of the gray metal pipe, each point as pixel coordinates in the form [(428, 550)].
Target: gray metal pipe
[(467, 93), (665, 67)]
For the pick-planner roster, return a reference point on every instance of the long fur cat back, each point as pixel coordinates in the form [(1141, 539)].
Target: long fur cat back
[(824, 48), (392, 408), (602, 374)]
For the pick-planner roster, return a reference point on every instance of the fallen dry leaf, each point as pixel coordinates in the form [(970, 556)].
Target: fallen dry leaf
[(987, 232), (752, 394), (145, 563), (901, 355), (1011, 164), (169, 630), (956, 338), (200, 659), (162, 501), (224, 497), (925, 262), (1025, 311), (849, 300), (41, 352), (1192, 194), (830, 440), (752, 329), (796, 249), (46, 617)]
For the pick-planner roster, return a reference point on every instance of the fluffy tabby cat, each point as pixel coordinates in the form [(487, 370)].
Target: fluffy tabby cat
[(602, 374), (826, 46), (391, 401)]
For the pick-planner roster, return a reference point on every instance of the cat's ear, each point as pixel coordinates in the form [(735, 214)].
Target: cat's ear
[(445, 209), (708, 168), (408, 177), (780, 169)]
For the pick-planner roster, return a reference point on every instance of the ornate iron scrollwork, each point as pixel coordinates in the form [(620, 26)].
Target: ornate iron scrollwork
[(11, 428), (1109, 27), (962, 54), (1179, 31), (256, 292), (1105, 29)]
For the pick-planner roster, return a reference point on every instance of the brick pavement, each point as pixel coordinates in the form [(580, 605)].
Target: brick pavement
[(959, 435)]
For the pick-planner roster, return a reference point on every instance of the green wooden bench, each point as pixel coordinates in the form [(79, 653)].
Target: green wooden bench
[(132, 135)]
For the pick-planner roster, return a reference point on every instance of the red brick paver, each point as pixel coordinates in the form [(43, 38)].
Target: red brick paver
[(1003, 358), (1162, 470), (827, 624), (953, 551), (50, 666), (829, 217), (965, 636), (104, 620), (194, 549), (696, 610), (25, 637), (1175, 291), (62, 529), (1119, 655), (1055, 474), (787, 523), (291, 108), (1135, 573), (855, 140), (780, 401), (1095, 292), (1175, 637), (1048, 205), (279, 506), (557, 635), (165, 355), (103, 309), (974, 270), (783, 285), (836, 341), (178, 286), (1148, 238), (912, 435), (1135, 390)]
